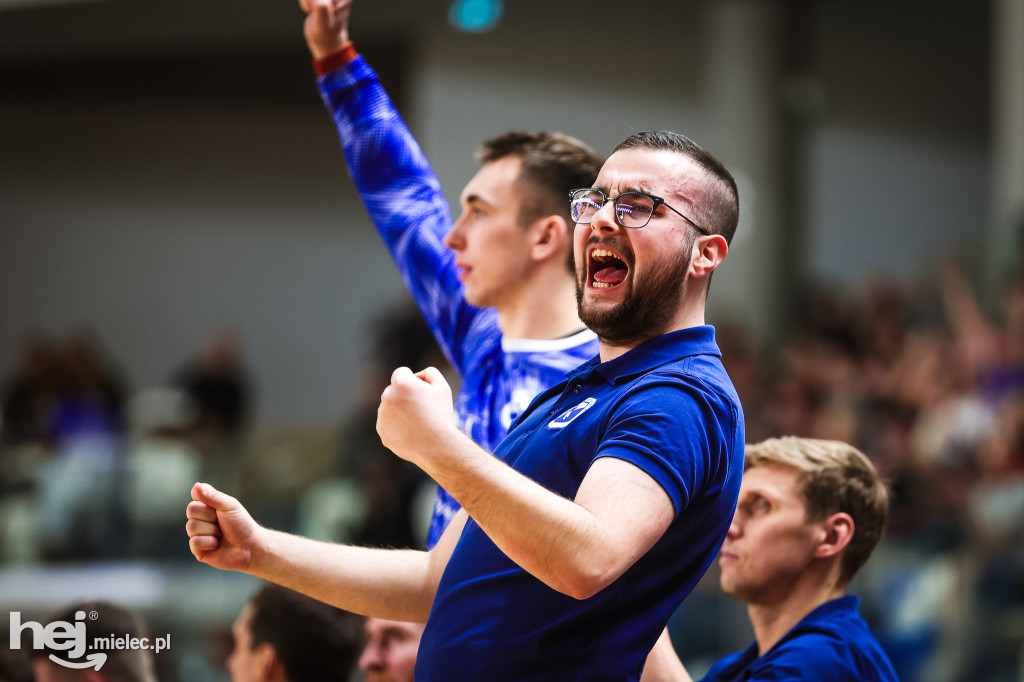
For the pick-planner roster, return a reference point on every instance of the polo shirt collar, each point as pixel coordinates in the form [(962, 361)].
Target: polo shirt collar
[(653, 353), (847, 604)]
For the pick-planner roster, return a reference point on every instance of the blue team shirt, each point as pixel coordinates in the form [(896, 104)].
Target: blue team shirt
[(500, 376), (667, 407), (832, 643)]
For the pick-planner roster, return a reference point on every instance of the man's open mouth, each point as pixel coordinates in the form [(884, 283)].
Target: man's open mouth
[(607, 269)]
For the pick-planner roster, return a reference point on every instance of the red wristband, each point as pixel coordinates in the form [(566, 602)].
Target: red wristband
[(332, 61)]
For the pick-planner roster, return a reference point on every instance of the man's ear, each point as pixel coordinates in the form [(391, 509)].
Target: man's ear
[(548, 237), (837, 532), (269, 662), (711, 251)]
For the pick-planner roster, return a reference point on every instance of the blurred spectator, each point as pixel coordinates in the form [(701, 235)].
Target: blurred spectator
[(996, 513), (389, 484), (26, 395), (995, 352), (15, 665), (283, 636), (218, 389), (72, 400), (62, 390), (90, 397), (218, 403), (124, 664), (745, 364)]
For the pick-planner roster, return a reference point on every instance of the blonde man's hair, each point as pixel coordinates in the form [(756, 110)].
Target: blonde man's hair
[(834, 477)]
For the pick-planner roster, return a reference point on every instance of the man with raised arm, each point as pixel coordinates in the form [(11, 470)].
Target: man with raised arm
[(810, 513), (496, 286), (612, 492)]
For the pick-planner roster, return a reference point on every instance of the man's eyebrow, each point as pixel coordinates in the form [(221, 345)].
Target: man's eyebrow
[(625, 188), (476, 199)]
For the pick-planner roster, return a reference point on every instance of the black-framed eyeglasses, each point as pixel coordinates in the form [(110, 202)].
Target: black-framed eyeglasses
[(632, 209)]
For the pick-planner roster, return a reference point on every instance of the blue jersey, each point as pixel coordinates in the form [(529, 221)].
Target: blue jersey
[(403, 196), (668, 407), (832, 642)]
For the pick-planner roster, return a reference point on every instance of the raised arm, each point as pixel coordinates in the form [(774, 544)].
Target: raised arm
[(577, 546), (384, 583), (394, 179), (974, 335), (326, 26)]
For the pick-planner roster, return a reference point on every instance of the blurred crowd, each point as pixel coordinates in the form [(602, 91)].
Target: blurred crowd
[(61, 389), (931, 388), (67, 387), (923, 378), (80, 450)]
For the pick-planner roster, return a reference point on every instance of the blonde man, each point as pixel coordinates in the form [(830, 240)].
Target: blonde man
[(810, 513)]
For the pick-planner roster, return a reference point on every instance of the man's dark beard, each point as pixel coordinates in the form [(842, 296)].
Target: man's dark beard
[(647, 306)]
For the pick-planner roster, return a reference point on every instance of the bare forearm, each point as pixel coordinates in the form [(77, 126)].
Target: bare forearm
[(576, 546), (663, 665), (553, 538), (549, 536), (384, 583)]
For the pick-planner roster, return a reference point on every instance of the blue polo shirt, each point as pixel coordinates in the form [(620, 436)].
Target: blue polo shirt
[(667, 407), (832, 642)]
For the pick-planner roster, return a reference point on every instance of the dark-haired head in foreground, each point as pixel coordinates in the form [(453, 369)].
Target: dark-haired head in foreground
[(100, 620), (283, 636)]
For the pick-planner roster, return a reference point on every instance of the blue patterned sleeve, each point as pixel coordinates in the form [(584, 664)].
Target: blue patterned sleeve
[(403, 197)]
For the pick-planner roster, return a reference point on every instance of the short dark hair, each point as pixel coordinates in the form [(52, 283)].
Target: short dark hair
[(316, 642), (15, 665), (104, 619), (553, 164), (719, 208)]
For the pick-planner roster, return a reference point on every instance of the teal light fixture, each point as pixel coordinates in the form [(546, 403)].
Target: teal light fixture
[(475, 16)]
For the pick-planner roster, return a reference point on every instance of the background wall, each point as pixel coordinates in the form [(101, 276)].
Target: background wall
[(169, 169)]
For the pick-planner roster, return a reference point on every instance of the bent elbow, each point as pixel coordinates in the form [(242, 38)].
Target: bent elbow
[(584, 584), (581, 592)]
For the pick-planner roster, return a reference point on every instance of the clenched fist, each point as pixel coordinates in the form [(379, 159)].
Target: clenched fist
[(415, 418), (221, 532), (326, 25)]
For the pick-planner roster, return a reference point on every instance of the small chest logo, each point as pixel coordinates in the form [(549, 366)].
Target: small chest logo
[(566, 418)]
